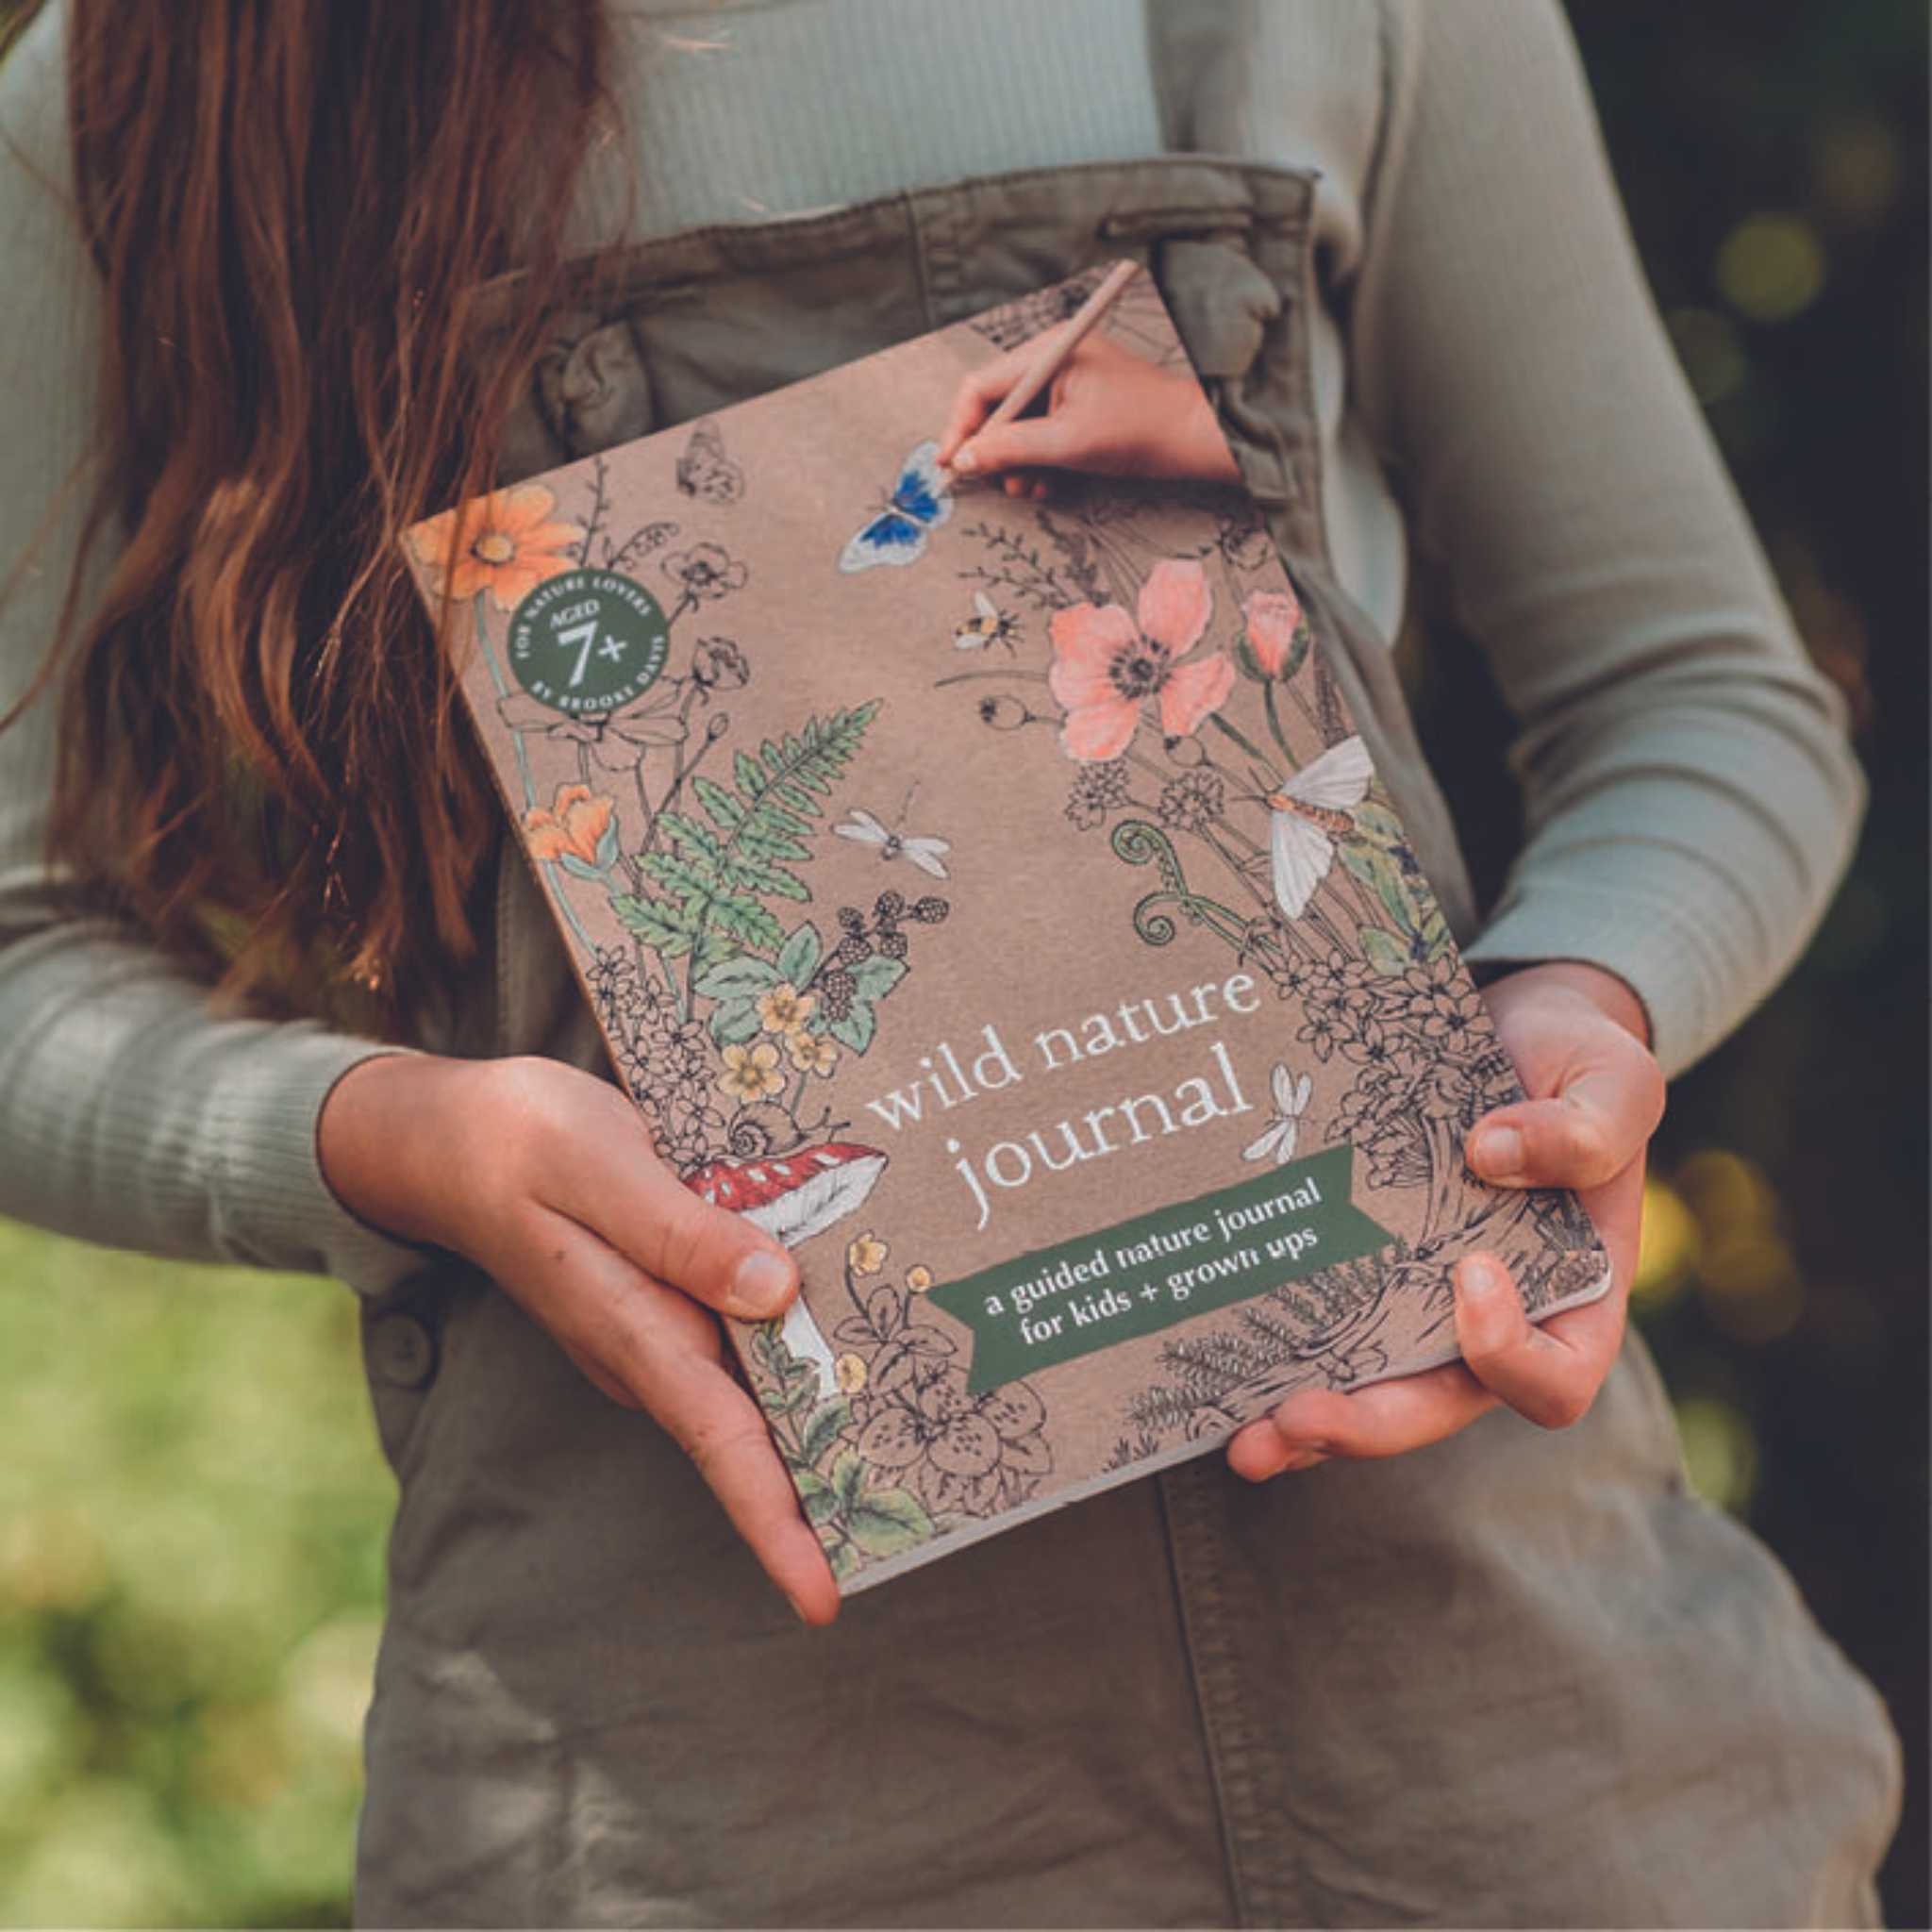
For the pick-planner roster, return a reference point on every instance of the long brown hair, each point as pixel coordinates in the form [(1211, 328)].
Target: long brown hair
[(289, 202)]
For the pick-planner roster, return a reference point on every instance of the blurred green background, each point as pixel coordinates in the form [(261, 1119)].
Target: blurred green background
[(191, 1502)]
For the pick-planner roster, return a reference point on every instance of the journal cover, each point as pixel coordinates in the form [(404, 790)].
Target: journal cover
[(994, 900)]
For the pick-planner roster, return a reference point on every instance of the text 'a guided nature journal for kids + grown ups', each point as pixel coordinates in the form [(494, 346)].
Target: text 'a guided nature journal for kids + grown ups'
[(995, 901)]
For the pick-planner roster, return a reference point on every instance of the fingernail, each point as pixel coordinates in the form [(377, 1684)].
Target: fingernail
[(761, 1284), (1479, 1278), (965, 460), (1499, 1152)]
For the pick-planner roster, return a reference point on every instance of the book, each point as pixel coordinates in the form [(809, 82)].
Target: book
[(994, 900)]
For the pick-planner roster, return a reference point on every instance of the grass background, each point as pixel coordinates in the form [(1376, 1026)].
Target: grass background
[(192, 1503)]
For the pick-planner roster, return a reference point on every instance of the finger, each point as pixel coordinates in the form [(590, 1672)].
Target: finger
[(1548, 1375), (1022, 442), (615, 1185), (668, 1356), (978, 396), (1388, 1419), (1601, 1118)]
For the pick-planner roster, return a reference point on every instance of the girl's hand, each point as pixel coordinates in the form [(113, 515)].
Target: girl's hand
[(1595, 1095), (545, 1177), (1108, 410)]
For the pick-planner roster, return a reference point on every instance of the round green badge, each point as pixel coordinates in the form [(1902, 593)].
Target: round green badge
[(587, 640)]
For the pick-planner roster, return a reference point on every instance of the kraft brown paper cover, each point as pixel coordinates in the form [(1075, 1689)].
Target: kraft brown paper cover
[(992, 899)]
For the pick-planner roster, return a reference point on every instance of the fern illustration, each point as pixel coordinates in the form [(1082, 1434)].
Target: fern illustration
[(724, 866)]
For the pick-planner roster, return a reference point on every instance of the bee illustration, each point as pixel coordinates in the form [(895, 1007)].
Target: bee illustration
[(1312, 811), (989, 624)]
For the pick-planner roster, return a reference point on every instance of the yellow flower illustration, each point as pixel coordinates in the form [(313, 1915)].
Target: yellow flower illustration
[(866, 1255), (575, 824), (850, 1372), (750, 1073), (785, 1010), (919, 1280), (508, 545), (811, 1053)]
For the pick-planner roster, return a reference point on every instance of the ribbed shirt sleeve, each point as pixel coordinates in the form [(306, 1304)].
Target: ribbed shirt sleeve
[(130, 1114), (1691, 797)]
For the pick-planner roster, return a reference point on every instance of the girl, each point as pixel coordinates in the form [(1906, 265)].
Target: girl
[(285, 280)]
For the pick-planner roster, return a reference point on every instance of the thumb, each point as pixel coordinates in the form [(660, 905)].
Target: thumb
[(625, 1194), (1587, 1133), (1028, 442)]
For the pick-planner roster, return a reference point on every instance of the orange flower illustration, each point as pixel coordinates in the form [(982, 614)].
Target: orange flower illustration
[(1272, 617), (510, 544), (1107, 665), (573, 827)]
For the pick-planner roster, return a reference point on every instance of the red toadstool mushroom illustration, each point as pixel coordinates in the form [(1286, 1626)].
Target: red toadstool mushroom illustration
[(794, 1196)]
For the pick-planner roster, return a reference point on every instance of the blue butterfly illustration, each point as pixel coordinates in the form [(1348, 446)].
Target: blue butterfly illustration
[(922, 500)]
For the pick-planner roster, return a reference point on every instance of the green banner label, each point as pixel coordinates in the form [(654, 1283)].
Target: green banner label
[(1143, 1275)]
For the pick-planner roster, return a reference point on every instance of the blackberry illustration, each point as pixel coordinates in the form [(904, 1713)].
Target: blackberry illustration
[(931, 911), (890, 906), (837, 988), (892, 944), (852, 920), (851, 949)]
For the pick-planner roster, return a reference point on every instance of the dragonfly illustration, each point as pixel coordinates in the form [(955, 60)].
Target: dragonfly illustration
[(867, 828)]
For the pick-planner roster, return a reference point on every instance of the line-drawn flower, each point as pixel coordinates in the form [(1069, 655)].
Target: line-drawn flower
[(812, 1053), (750, 1073), (1290, 1103), (1108, 665), (718, 664), (705, 571), (510, 543), (618, 738), (1096, 791), (866, 1255), (577, 824), (1272, 618), (784, 1008), (1193, 802), (959, 1451)]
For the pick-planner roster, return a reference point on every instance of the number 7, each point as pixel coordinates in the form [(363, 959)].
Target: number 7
[(587, 633)]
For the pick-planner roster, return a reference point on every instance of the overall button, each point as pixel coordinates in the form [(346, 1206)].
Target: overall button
[(402, 1351)]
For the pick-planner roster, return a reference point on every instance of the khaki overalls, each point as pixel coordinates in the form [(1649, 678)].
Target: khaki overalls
[(1519, 1678)]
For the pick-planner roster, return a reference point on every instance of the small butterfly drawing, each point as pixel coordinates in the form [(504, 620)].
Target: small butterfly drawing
[(1290, 1103), (929, 854), (989, 624), (704, 469), (1312, 811), (920, 501)]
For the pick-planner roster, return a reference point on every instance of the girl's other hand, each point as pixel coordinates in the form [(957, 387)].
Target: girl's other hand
[(545, 1177), (1109, 411), (1595, 1097)]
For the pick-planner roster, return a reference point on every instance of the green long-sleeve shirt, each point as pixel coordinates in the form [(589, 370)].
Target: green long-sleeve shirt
[(1495, 390)]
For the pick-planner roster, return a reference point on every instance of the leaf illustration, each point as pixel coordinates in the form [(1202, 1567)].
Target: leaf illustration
[(848, 1477), (819, 1499), (887, 1521), (875, 977), (738, 979), (662, 924), (798, 958), (857, 1027), (736, 1022), (1383, 950), (722, 873), (822, 1429)]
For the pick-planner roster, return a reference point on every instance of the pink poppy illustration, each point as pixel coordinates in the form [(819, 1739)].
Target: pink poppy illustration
[(1107, 665)]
